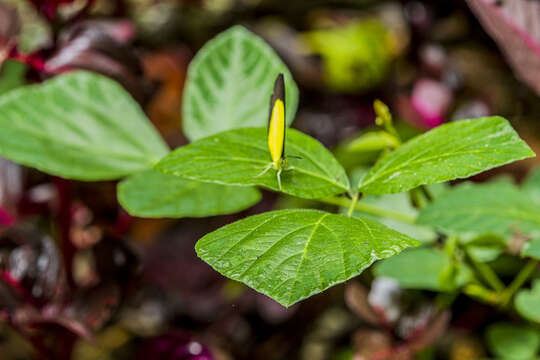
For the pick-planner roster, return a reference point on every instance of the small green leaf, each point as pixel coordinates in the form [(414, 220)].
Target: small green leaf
[(229, 84), (531, 249), (373, 141), (499, 208), (152, 194), (527, 302), (78, 126), (290, 255), (240, 157), (423, 268), (452, 151), (485, 247), (399, 203), (513, 342)]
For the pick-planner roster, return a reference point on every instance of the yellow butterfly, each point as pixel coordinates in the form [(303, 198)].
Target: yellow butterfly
[(276, 130)]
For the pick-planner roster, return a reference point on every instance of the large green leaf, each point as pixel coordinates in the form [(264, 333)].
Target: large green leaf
[(499, 208), (531, 249), (153, 194), (79, 126), (513, 342), (527, 302), (239, 157), (229, 84), (290, 255), (456, 150), (532, 184), (423, 268)]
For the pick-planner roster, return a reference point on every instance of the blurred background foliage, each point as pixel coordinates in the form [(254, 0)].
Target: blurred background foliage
[(136, 289)]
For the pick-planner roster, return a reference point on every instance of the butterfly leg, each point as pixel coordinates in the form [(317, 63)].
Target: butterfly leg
[(265, 170), (279, 178)]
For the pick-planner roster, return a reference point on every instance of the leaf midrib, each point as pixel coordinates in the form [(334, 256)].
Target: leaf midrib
[(255, 161), (304, 253)]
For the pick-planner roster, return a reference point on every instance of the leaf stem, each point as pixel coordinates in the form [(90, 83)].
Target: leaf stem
[(518, 281), (368, 209), (354, 201), (481, 293), (416, 198), (427, 193), (487, 273)]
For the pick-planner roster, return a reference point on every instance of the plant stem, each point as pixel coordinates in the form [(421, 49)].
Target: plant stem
[(518, 281), (481, 293), (487, 273), (417, 198), (427, 193), (368, 209), (64, 227), (354, 201)]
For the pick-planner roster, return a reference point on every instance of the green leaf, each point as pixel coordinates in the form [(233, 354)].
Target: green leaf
[(532, 184), (290, 255), (527, 302), (356, 56), (456, 150), (78, 126), (532, 249), (423, 268), (513, 342), (153, 194), (229, 84), (499, 208), (239, 157)]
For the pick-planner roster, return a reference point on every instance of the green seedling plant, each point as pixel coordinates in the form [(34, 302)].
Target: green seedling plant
[(85, 127)]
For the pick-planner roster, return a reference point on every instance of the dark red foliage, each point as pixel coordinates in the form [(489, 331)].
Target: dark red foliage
[(49, 7), (174, 346), (31, 265), (100, 47), (9, 28)]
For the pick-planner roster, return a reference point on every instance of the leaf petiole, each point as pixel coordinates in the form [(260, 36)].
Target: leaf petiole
[(367, 208), (486, 272), (518, 282), (354, 201)]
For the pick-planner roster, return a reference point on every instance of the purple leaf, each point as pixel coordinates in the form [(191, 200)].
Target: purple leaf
[(515, 26), (101, 47), (174, 346), (31, 264)]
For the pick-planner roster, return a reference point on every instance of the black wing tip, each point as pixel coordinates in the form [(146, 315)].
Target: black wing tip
[(279, 87)]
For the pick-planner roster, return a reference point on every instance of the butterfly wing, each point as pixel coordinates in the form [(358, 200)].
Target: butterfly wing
[(276, 121)]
